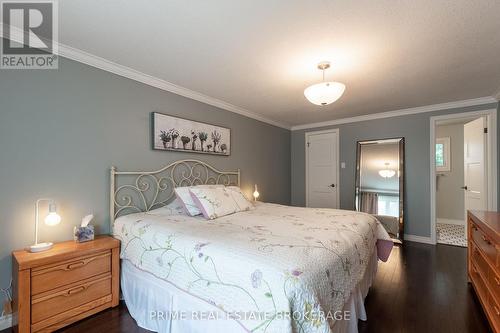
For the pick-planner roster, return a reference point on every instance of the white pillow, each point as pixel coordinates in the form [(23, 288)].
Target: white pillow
[(184, 196), (174, 208), (214, 202), (240, 198)]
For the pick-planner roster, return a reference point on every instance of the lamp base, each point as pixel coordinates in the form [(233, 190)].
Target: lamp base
[(40, 247)]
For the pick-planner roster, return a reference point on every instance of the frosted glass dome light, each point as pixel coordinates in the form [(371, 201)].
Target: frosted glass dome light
[(324, 93), (386, 173)]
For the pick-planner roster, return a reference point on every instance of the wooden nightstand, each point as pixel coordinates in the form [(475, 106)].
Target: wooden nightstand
[(67, 283)]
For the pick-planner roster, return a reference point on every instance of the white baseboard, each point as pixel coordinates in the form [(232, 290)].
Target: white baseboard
[(5, 322), (450, 221), (418, 239)]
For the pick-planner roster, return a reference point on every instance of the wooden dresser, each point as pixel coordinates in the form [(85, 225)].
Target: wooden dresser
[(69, 282), (483, 232)]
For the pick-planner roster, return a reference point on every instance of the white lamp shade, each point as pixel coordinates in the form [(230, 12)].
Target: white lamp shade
[(324, 93), (255, 192), (52, 219)]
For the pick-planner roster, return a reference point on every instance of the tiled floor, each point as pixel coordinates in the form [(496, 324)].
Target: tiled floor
[(451, 234)]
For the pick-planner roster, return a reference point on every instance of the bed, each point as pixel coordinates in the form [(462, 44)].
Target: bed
[(273, 268)]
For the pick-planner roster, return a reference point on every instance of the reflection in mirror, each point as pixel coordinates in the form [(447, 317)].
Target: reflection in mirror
[(380, 182)]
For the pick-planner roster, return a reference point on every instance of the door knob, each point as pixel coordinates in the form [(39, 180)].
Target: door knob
[(332, 185), (464, 187)]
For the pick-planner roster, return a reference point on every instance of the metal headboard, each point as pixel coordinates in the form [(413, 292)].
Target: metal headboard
[(142, 191)]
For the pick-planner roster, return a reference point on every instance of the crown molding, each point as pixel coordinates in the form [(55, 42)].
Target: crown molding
[(127, 72), (130, 73), (112, 67), (401, 112), (497, 95)]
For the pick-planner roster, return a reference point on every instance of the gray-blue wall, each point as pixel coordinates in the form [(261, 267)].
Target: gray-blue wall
[(61, 130), (416, 131)]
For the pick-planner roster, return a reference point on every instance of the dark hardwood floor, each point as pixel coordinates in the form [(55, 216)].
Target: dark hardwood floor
[(422, 288)]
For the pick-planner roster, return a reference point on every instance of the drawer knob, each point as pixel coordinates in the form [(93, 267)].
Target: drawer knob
[(497, 281), (496, 310), (75, 265)]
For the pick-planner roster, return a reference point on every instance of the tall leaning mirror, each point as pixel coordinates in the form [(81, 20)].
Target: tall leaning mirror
[(380, 183)]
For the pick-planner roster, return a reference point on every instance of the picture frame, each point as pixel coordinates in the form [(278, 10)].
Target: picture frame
[(171, 133)]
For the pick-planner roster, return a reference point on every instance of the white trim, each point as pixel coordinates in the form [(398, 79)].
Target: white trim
[(336, 131), (491, 116), (418, 239), (130, 73), (5, 322), (450, 221), (402, 112)]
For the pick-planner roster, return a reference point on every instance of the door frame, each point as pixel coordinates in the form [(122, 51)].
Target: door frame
[(491, 142), (336, 131)]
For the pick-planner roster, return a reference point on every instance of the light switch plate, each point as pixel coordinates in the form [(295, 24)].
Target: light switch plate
[(342, 165)]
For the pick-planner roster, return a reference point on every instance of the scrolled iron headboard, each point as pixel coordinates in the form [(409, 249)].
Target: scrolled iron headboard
[(142, 191)]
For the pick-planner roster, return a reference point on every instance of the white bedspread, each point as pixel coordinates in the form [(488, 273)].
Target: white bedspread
[(275, 268)]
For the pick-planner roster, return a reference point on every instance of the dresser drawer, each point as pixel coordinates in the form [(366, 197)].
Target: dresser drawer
[(494, 311), (479, 262), (60, 300), (49, 277), (484, 243), (479, 284), (494, 283)]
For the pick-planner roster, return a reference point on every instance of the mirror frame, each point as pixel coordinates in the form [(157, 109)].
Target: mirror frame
[(402, 175)]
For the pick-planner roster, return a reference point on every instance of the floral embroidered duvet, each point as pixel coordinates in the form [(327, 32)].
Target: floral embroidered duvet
[(288, 269)]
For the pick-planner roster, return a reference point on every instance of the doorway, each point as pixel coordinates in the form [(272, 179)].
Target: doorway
[(322, 169), (463, 172)]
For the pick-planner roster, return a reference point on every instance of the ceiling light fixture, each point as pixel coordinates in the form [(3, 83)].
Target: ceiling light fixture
[(324, 93), (387, 173)]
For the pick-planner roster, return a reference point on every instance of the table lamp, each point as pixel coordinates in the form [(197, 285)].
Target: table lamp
[(51, 219), (255, 193)]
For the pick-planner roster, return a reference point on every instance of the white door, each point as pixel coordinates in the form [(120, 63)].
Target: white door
[(322, 169), (475, 165)]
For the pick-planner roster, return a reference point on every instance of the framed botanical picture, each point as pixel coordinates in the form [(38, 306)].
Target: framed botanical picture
[(178, 134)]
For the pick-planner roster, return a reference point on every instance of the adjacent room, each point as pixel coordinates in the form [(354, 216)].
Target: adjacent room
[(248, 166)]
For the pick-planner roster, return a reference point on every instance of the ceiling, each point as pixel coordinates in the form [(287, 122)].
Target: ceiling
[(260, 55), (373, 159)]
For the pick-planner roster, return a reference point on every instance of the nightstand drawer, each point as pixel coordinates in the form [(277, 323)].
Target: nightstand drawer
[(52, 276), (60, 300)]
